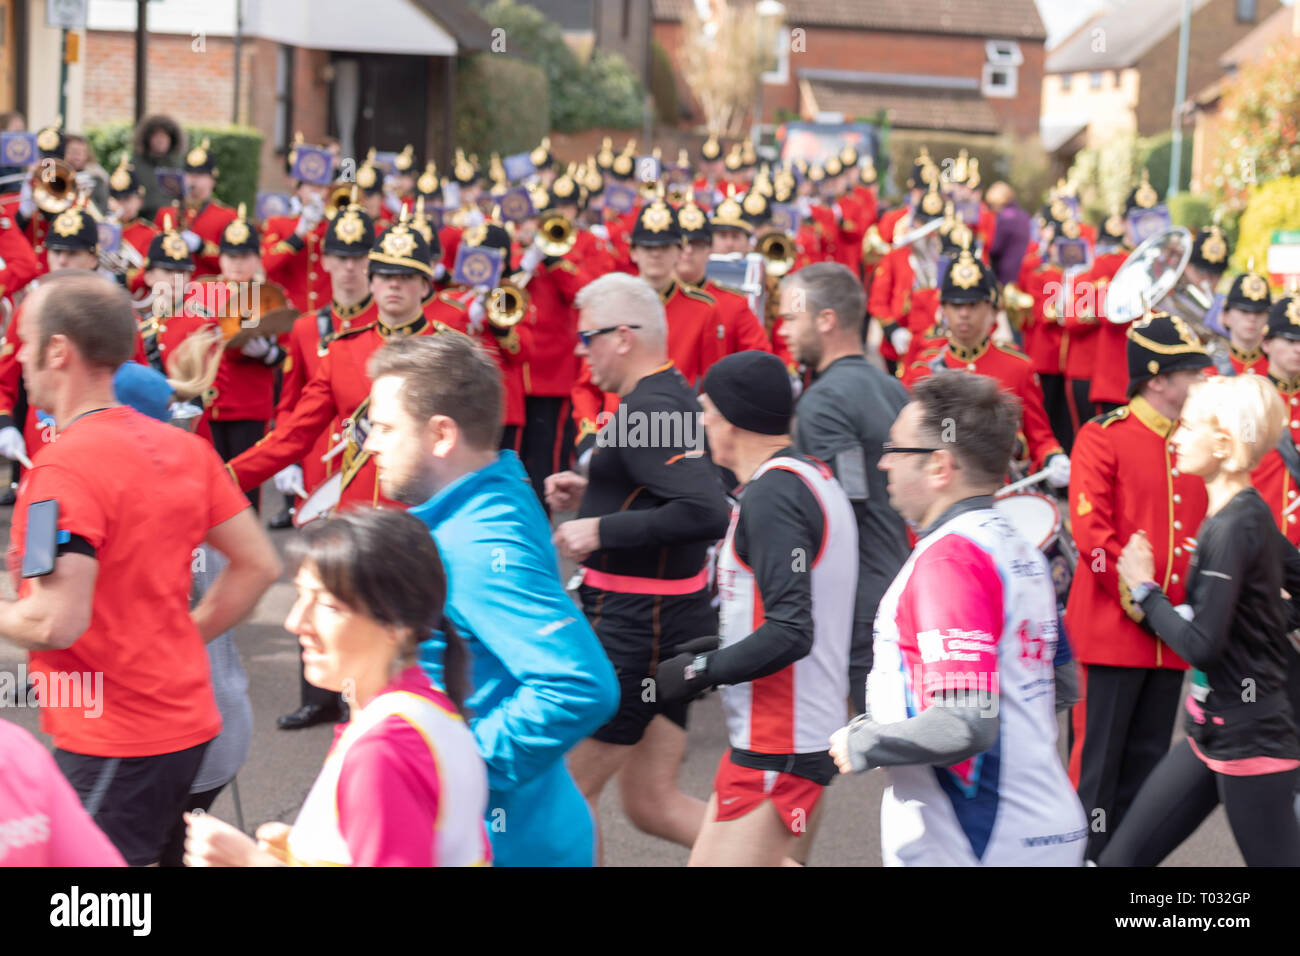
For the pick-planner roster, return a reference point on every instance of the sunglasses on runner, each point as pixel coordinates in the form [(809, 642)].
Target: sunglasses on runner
[(889, 448), (586, 337)]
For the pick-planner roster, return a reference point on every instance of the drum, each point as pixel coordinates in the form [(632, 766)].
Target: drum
[(1038, 518), (321, 502)]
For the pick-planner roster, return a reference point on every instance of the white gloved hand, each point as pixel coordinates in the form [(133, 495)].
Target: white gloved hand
[(312, 213), (288, 481), (531, 258), (1058, 471), (26, 204), (257, 348), (193, 240), (474, 218), (12, 444), (900, 339), (804, 205), (477, 313), (600, 231), (392, 204)]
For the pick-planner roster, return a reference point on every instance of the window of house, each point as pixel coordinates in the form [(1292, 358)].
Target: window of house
[(283, 98), (1095, 80), (1065, 82), (777, 62), (1247, 11), (1003, 58), (1003, 52), (999, 81)]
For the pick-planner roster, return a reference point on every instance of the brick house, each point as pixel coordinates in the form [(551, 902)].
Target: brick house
[(382, 77), (1117, 73), (932, 65)]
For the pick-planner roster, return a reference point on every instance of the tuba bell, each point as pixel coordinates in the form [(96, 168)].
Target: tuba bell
[(778, 250), (507, 305), (54, 186), (1154, 276), (557, 235)]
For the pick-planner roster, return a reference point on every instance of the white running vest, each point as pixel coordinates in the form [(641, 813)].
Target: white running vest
[(1012, 805), (315, 839), (796, 709)]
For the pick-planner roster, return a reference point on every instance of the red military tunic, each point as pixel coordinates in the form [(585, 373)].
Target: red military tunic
[(827, 228), (1110, 346), (736, 328), (306, 344), (1240, 362), (1271, 477), (208, 223), (1124, 479), (854, 220), (245, 387), (139, 233), (335, 391), (1011, 368), (20, 263), (293, 262), (1045, 340), (35, 232), (552, 367), (450, 309)]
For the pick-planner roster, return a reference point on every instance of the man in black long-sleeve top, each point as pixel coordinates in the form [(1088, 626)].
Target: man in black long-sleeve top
[(650, 509), (843, 419)]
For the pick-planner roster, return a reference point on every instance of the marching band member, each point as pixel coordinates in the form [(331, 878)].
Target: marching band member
[(1245, 316), (125, 199), (1124, 479), (292, 249), (1096, 367), (1278, 474), (968, 298), (904, 290), (349, 237), (401, 276), (201, 219)]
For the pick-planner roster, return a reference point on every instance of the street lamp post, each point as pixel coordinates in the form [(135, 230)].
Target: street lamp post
[(1180, 94)]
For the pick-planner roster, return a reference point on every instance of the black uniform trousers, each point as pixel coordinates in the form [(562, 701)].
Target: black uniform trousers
[(1129, 715)]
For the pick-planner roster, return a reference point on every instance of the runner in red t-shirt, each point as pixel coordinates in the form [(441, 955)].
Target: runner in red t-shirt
[(117, 655)]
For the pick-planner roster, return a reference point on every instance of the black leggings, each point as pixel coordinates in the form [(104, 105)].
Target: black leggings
[(1182, 791), (174, 852)]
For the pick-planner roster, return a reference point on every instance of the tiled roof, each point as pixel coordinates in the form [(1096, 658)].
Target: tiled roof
[(928, 103), (1010, 19)]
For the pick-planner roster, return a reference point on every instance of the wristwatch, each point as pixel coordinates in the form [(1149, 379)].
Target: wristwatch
[(698, 667), (1140, 592)]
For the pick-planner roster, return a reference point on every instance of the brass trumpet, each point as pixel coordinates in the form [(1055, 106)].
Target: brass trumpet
[(557, 235), (507, 305), (339, 199), (54, 186), (778, 250), (874, 247), (1018, 303)]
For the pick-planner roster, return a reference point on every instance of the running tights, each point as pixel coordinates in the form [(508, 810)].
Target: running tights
[(1182, 791)]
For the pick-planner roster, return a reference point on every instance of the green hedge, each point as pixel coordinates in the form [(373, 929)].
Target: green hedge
[(1190, 210), (1154, 153), (237, 151), (663, 85), (501, 105)]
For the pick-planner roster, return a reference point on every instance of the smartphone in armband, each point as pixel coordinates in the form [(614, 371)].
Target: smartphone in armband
[(42, 545)]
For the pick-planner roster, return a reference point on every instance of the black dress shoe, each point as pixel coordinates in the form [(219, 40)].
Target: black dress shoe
[(9, 497), (309, 715), (281, 521)]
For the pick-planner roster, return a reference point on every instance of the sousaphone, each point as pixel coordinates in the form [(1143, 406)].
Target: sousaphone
[(1154, 276)]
